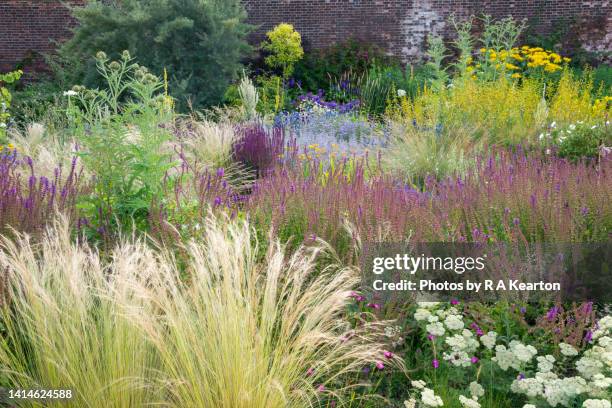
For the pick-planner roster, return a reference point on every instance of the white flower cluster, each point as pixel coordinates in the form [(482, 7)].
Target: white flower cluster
[(428, 397), (476, 391), (515, 356), (594, 367), (462, 348)]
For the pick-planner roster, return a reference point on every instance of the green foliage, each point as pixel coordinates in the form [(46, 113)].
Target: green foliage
[(200, 43), (436, 53), (121, 141), (285, 47), (318, 67), (581, 140), (6, 98)]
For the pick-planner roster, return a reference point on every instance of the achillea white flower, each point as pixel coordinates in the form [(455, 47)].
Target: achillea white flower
[(401, 93), (601, 381), (589, 367), (568, 350), (411, 403), (523, 352), (593, 403), (545, 364), (435, 328), (70, 93), (454, 322), (531, 387), (468, 402), (429, 399), (421, 314), (529, 406), (418, 384), (432, 319), (489, 339), (476, 390)]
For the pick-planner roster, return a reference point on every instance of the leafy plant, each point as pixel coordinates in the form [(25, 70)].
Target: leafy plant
[(122, 141), (200, 43), (5, 99), (284, 45)]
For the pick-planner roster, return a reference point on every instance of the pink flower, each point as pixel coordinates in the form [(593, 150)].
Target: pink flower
[(374, 305), (454, 302), (321, 388), (474, 360), (380, 365), (431, 337), (435, 363), (310, 372), (388, 354)]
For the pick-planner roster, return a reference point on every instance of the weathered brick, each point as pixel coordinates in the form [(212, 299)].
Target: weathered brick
[(30, 28)]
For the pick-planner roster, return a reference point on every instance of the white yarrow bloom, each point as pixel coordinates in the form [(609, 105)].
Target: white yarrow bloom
[(476, 390), (411, 403), (468, 402), (436, 329), (593, 403), (489, 339), (429, 399), (454, 322), (568, 350), (418, 384), (70, 93), (545, 364), (421, 314), (401, 93)]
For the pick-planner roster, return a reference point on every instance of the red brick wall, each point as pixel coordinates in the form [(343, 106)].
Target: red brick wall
[(401, 26), (30, 27)]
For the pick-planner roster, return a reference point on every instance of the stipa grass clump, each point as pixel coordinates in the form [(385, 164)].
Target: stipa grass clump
[(222, 331)]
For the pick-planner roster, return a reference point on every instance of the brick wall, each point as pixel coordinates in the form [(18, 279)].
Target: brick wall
[(401, 26), (29, 28)]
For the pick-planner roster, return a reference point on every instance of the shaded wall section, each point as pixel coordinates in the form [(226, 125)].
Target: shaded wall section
[(29, 28)]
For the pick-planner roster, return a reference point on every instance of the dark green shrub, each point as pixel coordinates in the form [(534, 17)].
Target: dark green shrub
[(318, 67), (199, 43)]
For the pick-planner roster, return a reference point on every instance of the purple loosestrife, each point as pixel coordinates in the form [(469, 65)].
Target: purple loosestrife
[(29, 201)]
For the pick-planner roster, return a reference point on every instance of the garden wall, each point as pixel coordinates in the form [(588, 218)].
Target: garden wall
[(29, 27)]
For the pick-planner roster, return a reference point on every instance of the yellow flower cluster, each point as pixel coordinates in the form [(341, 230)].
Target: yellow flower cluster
[(8, 147), (524, 58)]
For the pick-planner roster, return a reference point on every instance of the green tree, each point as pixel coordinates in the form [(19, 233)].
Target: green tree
[(285, 47), (199, 42)]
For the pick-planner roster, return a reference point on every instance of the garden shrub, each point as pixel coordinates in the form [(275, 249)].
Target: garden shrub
[(320, 66), (284, 48), (5, 100), (121, 137), (199, 43)]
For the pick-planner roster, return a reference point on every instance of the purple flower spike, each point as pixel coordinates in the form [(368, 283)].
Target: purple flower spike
[(435, 363)]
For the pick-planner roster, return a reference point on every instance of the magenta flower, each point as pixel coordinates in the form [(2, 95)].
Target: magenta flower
[(388, 354), (380, 365), (474, 360), (321, 388), (431, 337), (454, 302), (310, 372), (435, 363), (374, 305)]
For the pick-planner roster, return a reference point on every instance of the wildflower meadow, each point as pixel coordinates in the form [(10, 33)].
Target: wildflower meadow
[(170, 238)]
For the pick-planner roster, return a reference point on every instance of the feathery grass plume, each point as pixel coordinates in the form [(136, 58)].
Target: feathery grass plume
[(207, 143), (223, 331), (65, 322), (243, 334)]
